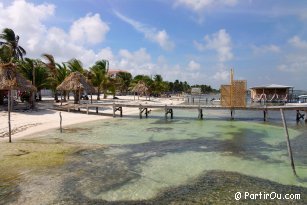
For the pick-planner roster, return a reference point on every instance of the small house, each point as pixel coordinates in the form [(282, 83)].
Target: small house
[(271, 93)]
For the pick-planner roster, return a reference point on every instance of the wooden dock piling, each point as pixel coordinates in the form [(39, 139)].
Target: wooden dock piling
[(145, 110), (232, 113), (288, 141), (265, 115), (168, 111), (200, 113)]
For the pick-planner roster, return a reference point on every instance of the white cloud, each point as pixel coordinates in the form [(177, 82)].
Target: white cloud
[(295, 41), (200, 5), (295, 60), (27, 20), (159, 36), (222, 73), (89, 29), (193, 66), (265, 49), (220, 42), (294, 63)]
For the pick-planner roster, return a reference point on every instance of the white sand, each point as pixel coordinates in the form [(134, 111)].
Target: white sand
[(30, 122)]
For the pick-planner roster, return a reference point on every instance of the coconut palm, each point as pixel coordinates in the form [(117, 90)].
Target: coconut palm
[(35, 71), (51, 66), (124, 80), (12, 40), (75, 65), (5, 54), (99, 75), (57, 77)]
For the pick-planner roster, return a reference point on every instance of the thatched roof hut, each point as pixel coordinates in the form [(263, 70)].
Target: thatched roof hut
[(10, 79), (140, 88), (75, 82)]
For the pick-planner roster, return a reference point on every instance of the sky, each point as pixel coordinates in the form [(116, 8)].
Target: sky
[(198, 41)]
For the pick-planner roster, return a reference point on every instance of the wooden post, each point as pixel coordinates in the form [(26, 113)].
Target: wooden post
[(61, 122), (121, 111), (9, 114), (146, 113), (232, 113), (96, 110), (200, 113), (140, 108), (165, 111), (288, 141), (265, 115), (113, 109)]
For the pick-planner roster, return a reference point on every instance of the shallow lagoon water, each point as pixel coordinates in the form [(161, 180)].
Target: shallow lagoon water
[(143, 159)]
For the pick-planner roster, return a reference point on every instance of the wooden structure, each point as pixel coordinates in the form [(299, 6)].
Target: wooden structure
[(169, 109), (76, 82), (10, 80), (234, 94), (271, 93)]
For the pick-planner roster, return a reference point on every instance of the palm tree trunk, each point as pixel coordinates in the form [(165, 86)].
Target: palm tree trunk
[(105, 94), (98, 94)]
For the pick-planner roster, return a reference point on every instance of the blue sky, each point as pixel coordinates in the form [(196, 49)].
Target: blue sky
[(198, 41)]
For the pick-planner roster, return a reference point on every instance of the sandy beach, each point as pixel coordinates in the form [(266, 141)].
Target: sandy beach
[(45, 117)]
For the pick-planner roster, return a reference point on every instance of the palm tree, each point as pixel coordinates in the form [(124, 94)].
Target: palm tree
[(124, 81), (158, 85), (5, 54), (97, 77), (100, 78), (53, 72), (35, 71), (75, 65), (12, 40), (62, 73)]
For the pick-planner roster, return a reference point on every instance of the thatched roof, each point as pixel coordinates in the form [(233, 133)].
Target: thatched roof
[(10, 79), (75, 81), (140, 88)]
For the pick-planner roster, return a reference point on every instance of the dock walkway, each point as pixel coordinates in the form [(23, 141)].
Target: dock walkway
[(169, 108)]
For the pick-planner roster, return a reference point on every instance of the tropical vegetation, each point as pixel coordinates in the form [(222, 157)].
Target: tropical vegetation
[(46, 73)]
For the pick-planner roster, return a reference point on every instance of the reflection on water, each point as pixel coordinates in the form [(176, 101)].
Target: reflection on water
[(174, 161)]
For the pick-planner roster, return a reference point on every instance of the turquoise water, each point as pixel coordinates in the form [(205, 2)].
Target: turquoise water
[(146, 157)]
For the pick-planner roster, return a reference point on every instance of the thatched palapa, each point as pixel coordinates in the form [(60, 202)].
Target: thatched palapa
[(140, 88), (10, 79), (75, 82)]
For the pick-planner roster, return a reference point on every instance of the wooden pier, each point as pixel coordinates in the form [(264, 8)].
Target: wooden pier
[(301, 111)]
